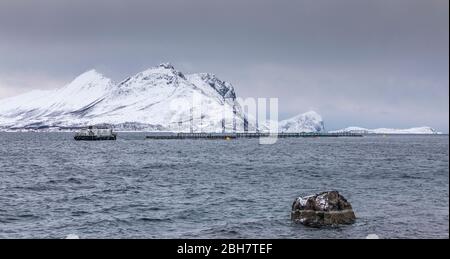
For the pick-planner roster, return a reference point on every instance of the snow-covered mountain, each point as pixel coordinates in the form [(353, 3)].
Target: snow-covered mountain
[(417, 130), (306, 122), (160, 98)]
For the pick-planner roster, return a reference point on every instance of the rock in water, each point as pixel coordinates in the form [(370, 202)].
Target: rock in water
[(323, 209)]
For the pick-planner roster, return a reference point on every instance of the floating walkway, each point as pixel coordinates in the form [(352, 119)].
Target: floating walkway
[(246, 135)]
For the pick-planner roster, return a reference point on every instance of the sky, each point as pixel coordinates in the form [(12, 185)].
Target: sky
[(369, 63)]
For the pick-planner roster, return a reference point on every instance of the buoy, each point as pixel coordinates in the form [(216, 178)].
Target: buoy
[(72, 236), (372, 236)]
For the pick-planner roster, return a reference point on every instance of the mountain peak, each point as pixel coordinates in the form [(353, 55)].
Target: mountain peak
[(309, 121), (90, 73), (310, 114), (88, 77), (167, 65), (161, 69)]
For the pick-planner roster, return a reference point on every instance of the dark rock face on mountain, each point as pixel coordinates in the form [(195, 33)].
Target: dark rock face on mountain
[(323, 209)]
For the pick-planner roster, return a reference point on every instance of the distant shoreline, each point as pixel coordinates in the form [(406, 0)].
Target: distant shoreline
[(169, 132)]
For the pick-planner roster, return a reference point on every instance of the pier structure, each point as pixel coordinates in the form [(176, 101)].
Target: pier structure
[(246, 135)]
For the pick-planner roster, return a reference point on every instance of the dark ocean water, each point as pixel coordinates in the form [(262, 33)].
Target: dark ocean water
[(52, 186)]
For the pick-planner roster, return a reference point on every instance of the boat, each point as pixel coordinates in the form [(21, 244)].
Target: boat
[(95, 133)]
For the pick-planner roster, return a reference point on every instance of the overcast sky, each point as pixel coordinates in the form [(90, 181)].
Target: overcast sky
[(370, 63)]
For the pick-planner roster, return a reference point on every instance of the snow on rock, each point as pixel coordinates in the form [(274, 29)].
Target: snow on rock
[(158, 99), (323, 209), (306, 122), (417, 130)]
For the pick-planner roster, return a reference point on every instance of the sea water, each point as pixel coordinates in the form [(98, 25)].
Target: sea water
[(52, 186)]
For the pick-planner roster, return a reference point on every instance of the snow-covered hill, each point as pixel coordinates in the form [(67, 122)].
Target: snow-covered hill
[(160, 98), (306, 122), (417, 130), (40, 107)]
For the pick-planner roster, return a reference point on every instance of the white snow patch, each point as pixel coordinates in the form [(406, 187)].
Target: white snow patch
[(323, 204)]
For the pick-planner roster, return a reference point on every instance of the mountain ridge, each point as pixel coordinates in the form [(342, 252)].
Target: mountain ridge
[(309, 121), (415, 130), (159, 98), (144, 99)]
